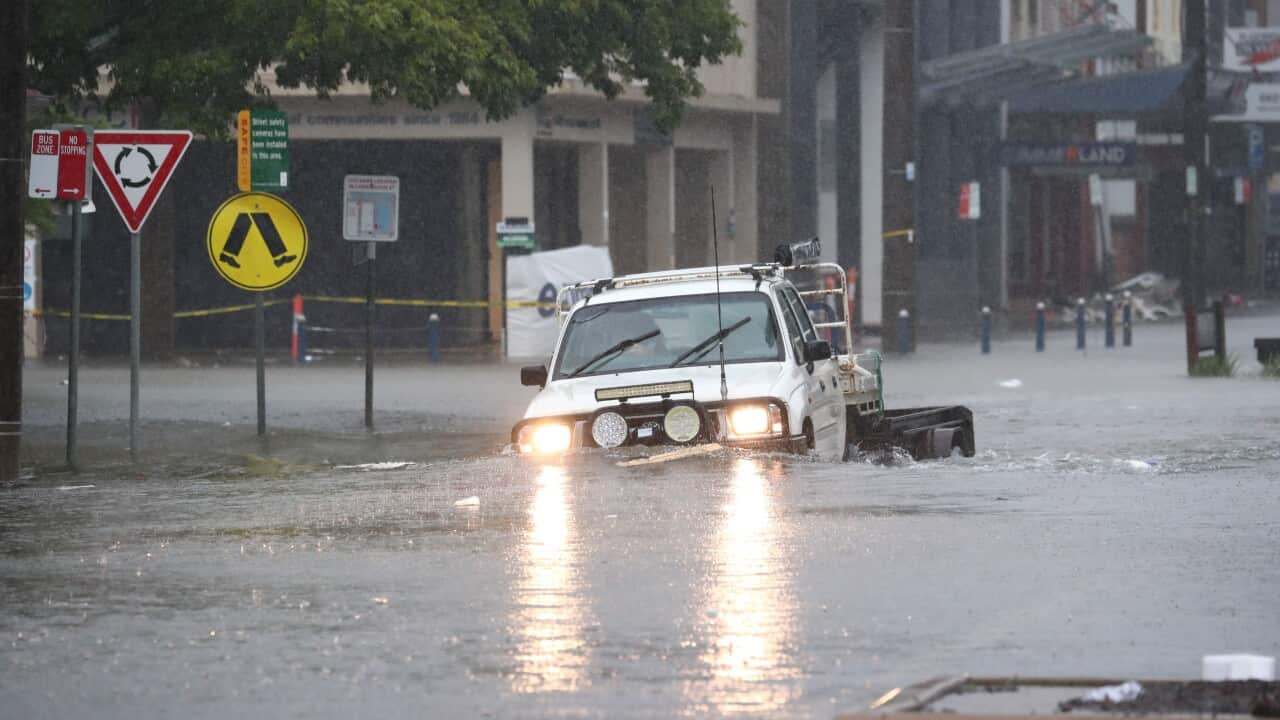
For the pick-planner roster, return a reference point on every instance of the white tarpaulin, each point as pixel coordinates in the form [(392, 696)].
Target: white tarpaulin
[(538, 277)]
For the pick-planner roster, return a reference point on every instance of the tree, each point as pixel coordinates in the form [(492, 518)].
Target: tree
[(192, 64), (196, 62)]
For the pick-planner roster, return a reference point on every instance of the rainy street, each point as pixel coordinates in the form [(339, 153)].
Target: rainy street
[(1119, 519)]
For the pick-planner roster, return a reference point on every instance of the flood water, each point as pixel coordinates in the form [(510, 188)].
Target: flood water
[(1118, 520)]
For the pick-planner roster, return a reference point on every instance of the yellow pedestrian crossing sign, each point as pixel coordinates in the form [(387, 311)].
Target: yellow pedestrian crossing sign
[(257, 241)]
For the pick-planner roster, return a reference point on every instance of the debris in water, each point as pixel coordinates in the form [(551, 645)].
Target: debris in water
[(377, 466), (472, 501), (1012, 384), (1124, 692), (1140, 465), (381, 600), (73, 487), (684, 452)]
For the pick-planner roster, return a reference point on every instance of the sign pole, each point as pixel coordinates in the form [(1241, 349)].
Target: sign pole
[(73, 357), (368, 341), (135, 337), (260, 340)]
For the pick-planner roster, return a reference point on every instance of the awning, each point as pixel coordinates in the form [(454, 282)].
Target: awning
[(995, 72), (1135, 93)]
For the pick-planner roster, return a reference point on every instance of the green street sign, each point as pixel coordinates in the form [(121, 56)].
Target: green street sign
[(516, 233), (262, 150), (524, 242)]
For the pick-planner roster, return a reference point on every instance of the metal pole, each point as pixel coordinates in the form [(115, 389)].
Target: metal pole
[(135, 337), (260, 340), (898, 288), (368, 342), (73, 357), (1195, 122)]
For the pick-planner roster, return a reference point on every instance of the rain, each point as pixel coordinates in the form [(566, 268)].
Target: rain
[(920, 355)]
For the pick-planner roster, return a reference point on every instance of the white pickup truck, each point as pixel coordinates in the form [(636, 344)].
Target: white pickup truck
[(638, 362)]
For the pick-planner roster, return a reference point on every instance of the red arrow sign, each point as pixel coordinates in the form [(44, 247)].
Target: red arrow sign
[(135, 165)]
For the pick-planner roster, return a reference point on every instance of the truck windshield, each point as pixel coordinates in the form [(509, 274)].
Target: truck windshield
[(681, 322)]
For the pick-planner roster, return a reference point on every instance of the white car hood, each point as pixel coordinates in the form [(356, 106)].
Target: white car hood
[(577, 395)]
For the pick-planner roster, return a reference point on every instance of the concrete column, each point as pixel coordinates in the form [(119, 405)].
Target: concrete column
[(744, 212), (660, 220), (474, 235), (802, 108), (517, 168), (593, 193)]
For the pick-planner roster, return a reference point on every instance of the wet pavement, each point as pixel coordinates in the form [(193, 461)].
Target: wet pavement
[(1119, 519)]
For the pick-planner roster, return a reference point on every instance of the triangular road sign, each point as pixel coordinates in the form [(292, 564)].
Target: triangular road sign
[(135, 165)]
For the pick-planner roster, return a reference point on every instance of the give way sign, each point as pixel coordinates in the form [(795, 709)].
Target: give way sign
[(135, 165)]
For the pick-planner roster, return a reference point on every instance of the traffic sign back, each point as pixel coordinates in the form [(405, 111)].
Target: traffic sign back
[(135, 165)]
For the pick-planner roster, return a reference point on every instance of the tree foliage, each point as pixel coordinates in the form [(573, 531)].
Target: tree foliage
[(197, 61)]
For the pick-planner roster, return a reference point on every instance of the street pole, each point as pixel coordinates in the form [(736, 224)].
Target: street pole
[(899, 288), (1195, 142), (135, 337), (73, 357), (260, 341), (368, 340), (13, 115)]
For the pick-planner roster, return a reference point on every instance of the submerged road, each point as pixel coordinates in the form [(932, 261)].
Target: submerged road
[(1119, 519)]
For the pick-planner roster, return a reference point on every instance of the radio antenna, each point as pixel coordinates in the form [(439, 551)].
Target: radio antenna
[(715, 248)]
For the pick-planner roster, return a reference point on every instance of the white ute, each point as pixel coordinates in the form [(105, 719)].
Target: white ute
[(638, 362)]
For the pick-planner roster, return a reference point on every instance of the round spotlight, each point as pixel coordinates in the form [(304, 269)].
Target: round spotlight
[(681, 423), (609, 430)]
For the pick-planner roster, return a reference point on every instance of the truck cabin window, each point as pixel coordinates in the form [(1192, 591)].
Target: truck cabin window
[(668, 332)]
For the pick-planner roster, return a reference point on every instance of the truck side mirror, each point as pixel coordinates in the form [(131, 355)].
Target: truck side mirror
[(531, 375), (816, 350)]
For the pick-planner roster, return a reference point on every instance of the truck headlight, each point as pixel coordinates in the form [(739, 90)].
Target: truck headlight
[(752, 420), (549, 438), (681, 423)]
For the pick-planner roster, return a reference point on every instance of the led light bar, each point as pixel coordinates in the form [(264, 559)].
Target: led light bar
[(627, 392)]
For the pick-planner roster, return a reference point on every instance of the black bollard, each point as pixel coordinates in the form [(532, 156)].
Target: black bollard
[(904, 331), (1127, 320), (1110, 324), (433, 337), (986, 330), (1039, 327), (1080, 324)]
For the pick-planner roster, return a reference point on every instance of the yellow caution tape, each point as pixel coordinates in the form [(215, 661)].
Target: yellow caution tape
[(225, 310), (400, 302)]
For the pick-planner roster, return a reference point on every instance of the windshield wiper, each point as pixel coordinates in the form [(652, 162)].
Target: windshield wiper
[(615, 350), (705, 346)]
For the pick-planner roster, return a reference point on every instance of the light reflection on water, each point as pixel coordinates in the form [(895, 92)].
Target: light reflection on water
[(749, 604), (551, 653)]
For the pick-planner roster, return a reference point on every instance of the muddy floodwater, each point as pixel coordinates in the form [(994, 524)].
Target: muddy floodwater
[(1118, 520)]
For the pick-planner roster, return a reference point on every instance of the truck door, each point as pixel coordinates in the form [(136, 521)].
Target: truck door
[(825, 400)]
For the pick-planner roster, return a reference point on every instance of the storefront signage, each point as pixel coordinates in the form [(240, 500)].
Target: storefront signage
[(1250, 49), (1108, 154), (1262, 102)]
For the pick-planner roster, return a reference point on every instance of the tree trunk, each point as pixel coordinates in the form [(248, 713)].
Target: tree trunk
[(159, 300), (13, 114), (13, 151)]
